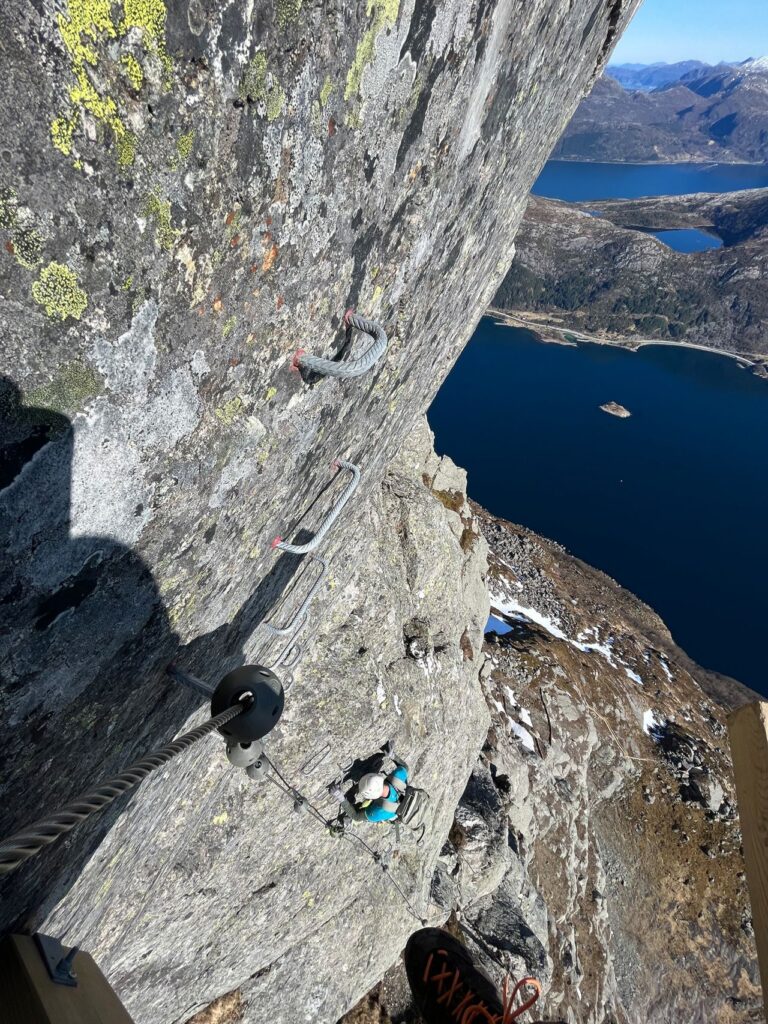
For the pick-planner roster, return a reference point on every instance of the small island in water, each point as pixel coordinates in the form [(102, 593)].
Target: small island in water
[(616, 410)]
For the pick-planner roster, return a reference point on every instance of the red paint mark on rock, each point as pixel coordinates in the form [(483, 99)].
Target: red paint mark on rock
[(280, 302), (9, 248), (234, 241), (230, 217)]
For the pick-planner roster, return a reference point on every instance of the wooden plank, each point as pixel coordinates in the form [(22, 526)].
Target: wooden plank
[(29, 996), (748, 729)]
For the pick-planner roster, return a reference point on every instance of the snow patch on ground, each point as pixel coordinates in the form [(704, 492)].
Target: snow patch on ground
[(587, 641), (525, 717), (524, 736), (651, 723)]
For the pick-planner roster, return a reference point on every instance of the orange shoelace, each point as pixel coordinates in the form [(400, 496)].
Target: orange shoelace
[(468, 1009)]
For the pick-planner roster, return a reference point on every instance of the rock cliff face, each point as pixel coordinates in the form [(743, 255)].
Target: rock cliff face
[(596, 845), (188, 194)]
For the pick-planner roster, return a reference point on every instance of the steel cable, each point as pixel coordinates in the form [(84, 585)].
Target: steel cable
[(295, 794), (19, 847)]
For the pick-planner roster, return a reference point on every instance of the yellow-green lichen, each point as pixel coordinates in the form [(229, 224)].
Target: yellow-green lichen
[(133, 71), (9, 201), (62, 130), (58, 292), (275, 102), (228, 327), (73, 385), (325, 92), (287, 11), (228, 413), (261, 86), (27, 247), (127, 283), (184, 145), (384, 15), (159, 212), (126, 148), (254, 83), (83, 26), (271, 392)]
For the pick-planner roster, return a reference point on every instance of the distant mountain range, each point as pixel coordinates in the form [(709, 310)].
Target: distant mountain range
[(700, 113)]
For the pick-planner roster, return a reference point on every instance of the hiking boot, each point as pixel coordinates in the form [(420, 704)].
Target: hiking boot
[(447, 986)]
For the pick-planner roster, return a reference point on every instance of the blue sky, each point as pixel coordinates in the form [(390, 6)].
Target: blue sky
[(708, 30)]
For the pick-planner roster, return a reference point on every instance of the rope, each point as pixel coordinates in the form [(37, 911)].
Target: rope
[(356, 367), (330, 519), (285, 786), (302, 609), (19, 847)]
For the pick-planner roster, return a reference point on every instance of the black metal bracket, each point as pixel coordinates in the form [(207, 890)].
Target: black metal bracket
[(58, 961)]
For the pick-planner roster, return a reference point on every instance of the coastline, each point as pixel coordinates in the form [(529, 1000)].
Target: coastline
[(669, 162), (759, 366)]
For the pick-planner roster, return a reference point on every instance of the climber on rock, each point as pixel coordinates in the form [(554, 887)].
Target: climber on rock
[(376, 797)]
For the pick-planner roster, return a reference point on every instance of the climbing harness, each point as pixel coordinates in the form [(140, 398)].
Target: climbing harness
[(355, 367), (302, 805), (245, 706), (330, 519)]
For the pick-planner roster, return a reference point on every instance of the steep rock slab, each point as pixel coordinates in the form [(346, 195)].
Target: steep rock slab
[(208, 882)]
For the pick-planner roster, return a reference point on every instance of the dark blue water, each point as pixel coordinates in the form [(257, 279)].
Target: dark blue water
[(688, 240), (672, 502), (578, 182)]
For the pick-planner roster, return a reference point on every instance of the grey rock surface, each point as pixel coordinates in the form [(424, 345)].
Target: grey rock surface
[(190, 193), (250, 894), (624, 890)]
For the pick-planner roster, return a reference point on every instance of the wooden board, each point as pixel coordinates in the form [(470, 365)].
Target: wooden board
[(748, 729), (28, 996)]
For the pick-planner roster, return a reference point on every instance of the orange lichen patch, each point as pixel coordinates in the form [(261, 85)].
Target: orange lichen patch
[(234, 241), (230, 217), (10, 248), (269, 259), (331, 127), (218, 305), (280, 302), (201, 311), (254, 268), (268, 221)]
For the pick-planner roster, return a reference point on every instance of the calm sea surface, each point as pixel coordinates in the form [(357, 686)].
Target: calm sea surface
[(672, 502), (579, 182)]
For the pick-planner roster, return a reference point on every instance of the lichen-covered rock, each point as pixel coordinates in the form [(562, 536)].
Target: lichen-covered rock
[(188, 194)]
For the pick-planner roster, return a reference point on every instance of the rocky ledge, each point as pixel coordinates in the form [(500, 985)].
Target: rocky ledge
[(596, 845)]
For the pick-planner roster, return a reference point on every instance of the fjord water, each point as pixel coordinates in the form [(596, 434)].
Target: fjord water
[(583, 182), (672, 502)]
